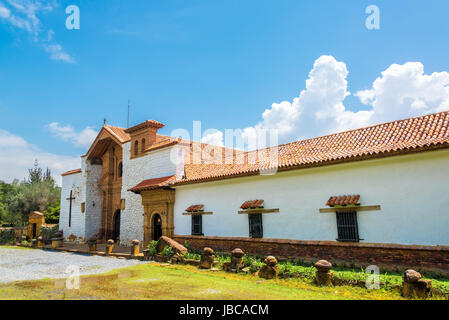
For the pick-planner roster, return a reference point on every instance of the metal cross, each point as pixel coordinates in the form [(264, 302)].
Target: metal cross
[(70, 208)]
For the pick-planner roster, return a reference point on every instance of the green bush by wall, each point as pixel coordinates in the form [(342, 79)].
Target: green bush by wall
[(6, 236)]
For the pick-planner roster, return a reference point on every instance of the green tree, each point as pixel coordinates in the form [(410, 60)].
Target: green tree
[(37, 193)]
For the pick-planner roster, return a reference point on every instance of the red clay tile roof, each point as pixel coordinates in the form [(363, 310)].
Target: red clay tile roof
[(119, 133), (424, 133), (252, 204), (195, 208), (71, 172), (343, 200), (154, 183), (162, 144), (146, 124)]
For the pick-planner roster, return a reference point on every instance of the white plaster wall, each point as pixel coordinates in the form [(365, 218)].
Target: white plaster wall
[(72, 182), (412, 191), (91, 181), (154, 165)]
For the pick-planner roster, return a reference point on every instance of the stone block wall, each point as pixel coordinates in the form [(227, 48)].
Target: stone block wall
[(155, 164), (93, 198), (386, 256)]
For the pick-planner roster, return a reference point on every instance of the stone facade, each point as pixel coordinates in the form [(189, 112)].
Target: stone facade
[(155, 164), (93, 203)]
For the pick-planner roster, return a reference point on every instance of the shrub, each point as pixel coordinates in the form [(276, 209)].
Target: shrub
[(255, 266), (152, 247), (168, 251), (6, 236), (48, 232), (193, 256), (187, 245)]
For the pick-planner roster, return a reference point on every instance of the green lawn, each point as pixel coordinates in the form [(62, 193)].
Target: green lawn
[(156, 281)]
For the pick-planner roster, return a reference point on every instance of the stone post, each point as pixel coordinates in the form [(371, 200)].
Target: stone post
[(323, 273), (34, 243), (58, 240), (236, 261), (92, 243), (270, 270), (109, 247), (413, 286), (135, 249), (207, 258), (40, 242)]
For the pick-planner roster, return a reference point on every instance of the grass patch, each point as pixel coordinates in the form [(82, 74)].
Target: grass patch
[(166, 282), (299, 269), (15, 247)]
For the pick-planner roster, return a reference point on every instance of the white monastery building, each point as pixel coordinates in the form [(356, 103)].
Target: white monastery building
[(383, 186)]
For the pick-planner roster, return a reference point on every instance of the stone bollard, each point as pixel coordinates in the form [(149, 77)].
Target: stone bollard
[(57, 240), (270, 270), (236, 263), (135, 249), (323, 273), (34, 243), (414, 286), (40, 242), (92, 244), (207, 258), (109, 247)]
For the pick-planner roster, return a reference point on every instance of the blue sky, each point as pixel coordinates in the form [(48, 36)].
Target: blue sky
[(221, 62)]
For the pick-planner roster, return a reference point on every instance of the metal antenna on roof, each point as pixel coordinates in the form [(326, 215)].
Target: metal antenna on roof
[(127, 124), (104, 121)]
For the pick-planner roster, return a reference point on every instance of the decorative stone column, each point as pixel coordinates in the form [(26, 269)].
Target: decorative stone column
[(413, 286), (323, 273), (40, 242), (207, 259), (236, 261), (135, 249), (109, 247), (92, 243), (270, 270), (57, 240)]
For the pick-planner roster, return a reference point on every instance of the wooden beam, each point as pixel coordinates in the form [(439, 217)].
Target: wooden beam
[(350, 208), (194, 213), (250, 211)]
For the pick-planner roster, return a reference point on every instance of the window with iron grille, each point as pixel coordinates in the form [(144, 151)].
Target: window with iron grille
[(347, 226), (197, 225), (255, 225)]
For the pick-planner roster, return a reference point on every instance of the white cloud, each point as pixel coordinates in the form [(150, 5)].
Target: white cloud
[(4, 12), (17, 156), (214, 138), (404, 91), (56, 53), (82, 139), (23, 14), (401, 91)]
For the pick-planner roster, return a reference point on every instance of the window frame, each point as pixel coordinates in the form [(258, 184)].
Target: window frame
[(120, 169), (198, 223), (251, 222), (136, 147), (347, 226)]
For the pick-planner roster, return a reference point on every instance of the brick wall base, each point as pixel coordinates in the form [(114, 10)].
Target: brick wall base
[(386, 256)]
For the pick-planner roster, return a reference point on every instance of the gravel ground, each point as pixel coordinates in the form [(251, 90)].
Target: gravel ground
[(16, 264)]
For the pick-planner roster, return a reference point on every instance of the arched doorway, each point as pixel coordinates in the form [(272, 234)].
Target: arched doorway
[(157, 227), (116, 226)]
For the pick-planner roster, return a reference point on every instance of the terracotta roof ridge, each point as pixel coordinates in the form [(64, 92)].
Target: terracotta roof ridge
[(353, 130)]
